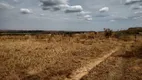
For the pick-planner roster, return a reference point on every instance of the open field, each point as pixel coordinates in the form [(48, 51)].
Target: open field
[(59, 56), (125, 64)]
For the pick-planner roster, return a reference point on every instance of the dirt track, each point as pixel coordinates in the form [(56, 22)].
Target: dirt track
[(117, 68), (79, 73)]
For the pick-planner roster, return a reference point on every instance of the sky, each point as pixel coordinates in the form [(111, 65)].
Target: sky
[(70, 15)]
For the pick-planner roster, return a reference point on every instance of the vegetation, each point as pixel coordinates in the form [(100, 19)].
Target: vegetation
[(135, 51), (108, 33), (48, 56), (53, 55), (128, 35)]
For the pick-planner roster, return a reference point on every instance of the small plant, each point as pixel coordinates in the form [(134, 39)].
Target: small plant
[(108, 32)]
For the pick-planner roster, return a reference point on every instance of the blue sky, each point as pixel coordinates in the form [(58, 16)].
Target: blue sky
[(74, 15)]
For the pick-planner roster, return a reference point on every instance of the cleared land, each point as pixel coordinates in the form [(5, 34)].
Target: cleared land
[(58, 56)]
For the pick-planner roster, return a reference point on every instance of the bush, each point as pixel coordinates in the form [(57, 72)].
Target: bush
[(108, 33)]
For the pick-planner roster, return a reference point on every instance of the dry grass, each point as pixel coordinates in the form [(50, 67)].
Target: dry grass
[(54, 57), (126, 64), (48, 57)]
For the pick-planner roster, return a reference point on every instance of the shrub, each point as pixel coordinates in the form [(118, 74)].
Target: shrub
[(108, 32)]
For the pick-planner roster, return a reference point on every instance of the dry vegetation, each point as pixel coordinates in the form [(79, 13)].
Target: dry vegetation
[(125, 64), (52, 57)]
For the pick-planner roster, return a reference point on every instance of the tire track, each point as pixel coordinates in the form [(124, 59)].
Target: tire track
[(79, 73)]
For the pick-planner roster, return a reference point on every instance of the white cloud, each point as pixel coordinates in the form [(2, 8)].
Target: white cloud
[(104, 9), (60, 5), (136, 7), (88, 17), (63, 5), (139, 17), (85, 15), (128, 2), (138, 12), (85, 12), (42, 14), (72, 9), (53, 4), (5, 6), (112, 20), (16, 1), (25, 11)]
